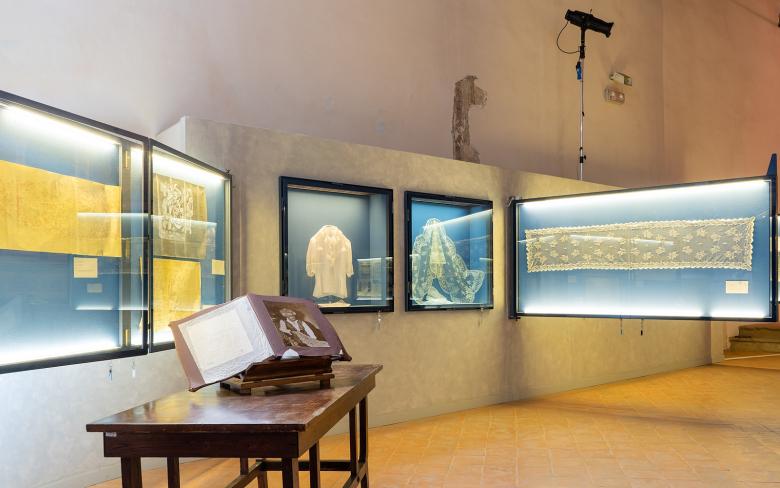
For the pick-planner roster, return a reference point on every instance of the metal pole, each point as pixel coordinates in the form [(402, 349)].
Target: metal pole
[(581, 76)]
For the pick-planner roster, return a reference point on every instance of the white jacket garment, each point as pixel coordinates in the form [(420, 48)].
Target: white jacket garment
[(329, 261)]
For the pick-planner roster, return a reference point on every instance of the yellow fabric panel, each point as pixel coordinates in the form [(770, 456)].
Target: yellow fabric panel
[(176, 290), (40, 213)]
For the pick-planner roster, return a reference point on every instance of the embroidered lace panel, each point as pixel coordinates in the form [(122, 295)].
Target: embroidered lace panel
[(673, 244)]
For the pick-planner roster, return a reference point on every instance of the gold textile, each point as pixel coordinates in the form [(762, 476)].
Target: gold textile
[(673, 244), (176, 290), (42, 211), (179, 218)]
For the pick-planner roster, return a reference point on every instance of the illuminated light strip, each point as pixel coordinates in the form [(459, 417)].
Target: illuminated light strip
[(649, 195), (481, 213), (739, 314), (59, 128), (39, 352), (644, 312), (184, 170), (615, 311), (109, 214)]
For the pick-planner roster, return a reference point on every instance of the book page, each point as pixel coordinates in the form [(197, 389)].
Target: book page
[(218, 339)]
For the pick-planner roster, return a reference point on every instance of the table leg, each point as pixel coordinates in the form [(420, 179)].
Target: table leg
[(290, 473), (174, 480), (314, 466), (353, 461), (131, 472), (363, 407), (262, 479), (243, 465)]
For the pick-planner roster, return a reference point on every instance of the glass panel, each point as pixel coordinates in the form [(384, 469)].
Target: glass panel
[(71, 238), (338, 247), (450, 253), (190, 240), (692, 251)]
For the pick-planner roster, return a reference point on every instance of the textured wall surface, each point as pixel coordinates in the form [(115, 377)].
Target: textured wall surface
[(435, 361), (43, 417)]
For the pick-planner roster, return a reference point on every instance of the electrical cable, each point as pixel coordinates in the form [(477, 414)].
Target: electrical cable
[(557, 39)]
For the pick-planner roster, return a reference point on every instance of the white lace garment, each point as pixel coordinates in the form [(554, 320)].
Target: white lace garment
[(673, 244)]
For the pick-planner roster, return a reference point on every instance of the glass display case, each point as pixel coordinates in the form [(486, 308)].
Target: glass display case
[(190, 204), (72, 226), (449, 252), (337, 245), (694, 251)]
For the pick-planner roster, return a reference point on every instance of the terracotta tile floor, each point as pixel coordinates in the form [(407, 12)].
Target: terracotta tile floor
[(707, 427)]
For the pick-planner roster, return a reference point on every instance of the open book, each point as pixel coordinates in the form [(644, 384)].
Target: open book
[(223, 341)]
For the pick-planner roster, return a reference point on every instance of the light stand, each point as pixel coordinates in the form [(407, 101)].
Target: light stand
[(581, 78), (584, 22)]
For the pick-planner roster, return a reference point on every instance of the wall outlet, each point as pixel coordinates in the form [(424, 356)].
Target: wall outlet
[(612, 94)]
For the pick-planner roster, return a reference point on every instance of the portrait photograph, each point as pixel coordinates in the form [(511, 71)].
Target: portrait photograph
[(295, 324)]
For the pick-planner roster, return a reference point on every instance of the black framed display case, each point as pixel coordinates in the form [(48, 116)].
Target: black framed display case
[(72, 225), (190, 204), (448, 252), (698, 251), (337, 245)]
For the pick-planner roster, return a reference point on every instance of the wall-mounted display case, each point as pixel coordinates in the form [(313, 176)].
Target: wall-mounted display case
[(80, 260), (449, 252), (337, 245), (72, 227), (190, 215), (694, 251)]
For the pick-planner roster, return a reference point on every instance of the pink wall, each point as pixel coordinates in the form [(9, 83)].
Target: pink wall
[(704, 103), (721, 87)]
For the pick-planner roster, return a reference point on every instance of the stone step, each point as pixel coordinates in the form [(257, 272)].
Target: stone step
[(759, 332), (756, 338), (742, 345)]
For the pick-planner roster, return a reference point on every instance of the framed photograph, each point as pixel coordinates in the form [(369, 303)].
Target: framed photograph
[(337, 245), (449, 252)]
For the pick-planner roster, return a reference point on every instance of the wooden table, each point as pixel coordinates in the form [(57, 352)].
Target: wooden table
[(215, 422)]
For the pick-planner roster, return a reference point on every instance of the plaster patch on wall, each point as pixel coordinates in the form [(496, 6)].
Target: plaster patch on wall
[(467, 94)]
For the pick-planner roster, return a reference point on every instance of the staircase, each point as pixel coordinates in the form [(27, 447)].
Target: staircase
[(757, 338)]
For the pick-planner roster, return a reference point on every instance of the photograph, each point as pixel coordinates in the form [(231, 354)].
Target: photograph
[(294, 324)]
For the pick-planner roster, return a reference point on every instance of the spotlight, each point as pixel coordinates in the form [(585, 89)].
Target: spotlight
[(589, 21)]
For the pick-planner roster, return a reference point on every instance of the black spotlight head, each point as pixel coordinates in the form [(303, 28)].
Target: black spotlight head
[(588, 21)]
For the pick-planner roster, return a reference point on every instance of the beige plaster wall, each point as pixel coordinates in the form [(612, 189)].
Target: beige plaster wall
[(434, 361), (379, 72)]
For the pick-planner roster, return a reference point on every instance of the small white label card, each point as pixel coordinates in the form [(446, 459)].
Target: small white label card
[(218, 267), (94, 288), (737, 287), (85, 267)]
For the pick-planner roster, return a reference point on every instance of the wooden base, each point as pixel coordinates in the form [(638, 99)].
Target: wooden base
[(282, 372)]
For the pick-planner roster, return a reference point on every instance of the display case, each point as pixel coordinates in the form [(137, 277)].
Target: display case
[(72, 226), (337, 245), (695, 251), (449, 252), (190, 231)]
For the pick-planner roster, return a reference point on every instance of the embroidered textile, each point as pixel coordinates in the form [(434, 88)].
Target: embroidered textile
[(434, 257), (179, 218), (329, 261), (43, 211), (176, 290), (673, 244)]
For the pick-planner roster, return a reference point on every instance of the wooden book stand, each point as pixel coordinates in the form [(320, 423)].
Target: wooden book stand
[(280, 372)]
